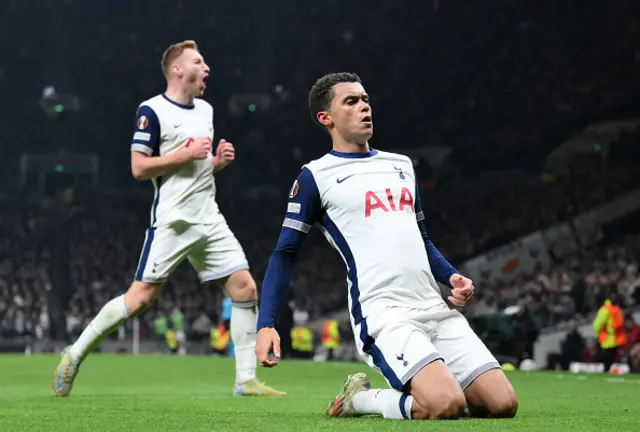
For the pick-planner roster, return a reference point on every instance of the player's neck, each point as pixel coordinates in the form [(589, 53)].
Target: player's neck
[(179, 95), (350, 147)]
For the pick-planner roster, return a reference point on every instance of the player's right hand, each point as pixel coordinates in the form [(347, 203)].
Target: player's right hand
[(198, 149), (267, 341)]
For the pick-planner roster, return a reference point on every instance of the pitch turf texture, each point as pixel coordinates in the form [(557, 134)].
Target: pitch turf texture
[(168, 393)]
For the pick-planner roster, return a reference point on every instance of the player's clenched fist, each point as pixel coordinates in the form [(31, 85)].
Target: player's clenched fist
[(461, 290), (199, 148), (225, 154), (266, 341)]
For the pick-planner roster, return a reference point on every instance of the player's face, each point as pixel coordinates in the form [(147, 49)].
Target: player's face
[(350, 112), (194, 72)]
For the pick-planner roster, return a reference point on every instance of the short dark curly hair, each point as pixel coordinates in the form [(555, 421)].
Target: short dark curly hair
[(321, 94)]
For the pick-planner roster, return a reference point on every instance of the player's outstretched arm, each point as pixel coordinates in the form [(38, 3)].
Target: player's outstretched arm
[(303, 210), (275, 286)]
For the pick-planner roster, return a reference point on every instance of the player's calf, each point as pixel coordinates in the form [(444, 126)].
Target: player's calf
[(244, 318), (113, 314), (492, 395), (437, 394), (242, 289)]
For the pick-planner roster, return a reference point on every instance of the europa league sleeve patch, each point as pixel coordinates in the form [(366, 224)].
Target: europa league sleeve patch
[(294, 190), (142, 122)]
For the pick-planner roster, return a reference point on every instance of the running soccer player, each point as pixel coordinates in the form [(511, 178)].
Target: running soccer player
[(171, 146), (366, 202)]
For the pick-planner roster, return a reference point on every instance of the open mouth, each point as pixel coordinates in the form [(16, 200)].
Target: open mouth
[(366, 119)]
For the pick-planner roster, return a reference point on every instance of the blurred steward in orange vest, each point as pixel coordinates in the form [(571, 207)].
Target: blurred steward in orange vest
[(609, 330), (331, 337), (220, 337)]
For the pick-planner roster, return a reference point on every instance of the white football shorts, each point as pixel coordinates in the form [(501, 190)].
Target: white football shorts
[(397, 342), (212, 249)]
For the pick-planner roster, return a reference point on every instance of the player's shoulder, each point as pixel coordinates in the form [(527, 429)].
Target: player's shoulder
[(395, 157), (320, 169), (398, 160), (155, 103), (319, 164), (151, 109), (310, 175), (201, 104)]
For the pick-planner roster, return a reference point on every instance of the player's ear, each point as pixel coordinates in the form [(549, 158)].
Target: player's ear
[(324, 118), (176, 70)]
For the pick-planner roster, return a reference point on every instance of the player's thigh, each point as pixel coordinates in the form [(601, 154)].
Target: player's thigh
[(464, 353), (397, 349), (164, 248), (219, 256)]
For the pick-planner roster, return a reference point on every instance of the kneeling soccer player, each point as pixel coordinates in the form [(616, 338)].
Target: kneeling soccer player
[(366, 202)]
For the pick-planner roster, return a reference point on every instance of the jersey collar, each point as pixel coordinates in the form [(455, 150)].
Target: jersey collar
[(370, 153), (179, 105)]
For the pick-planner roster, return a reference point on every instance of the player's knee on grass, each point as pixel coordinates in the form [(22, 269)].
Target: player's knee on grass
[(240, 286), (140, 295), (492, 395), (437, 395)]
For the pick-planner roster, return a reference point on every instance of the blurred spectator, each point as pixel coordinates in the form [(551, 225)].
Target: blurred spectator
[(571, 350)]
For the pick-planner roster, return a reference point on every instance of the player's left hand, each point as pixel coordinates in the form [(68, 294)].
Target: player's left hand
[(461, 290), (225, 154)]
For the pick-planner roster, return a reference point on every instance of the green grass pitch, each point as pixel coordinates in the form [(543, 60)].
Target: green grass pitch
[(169, 393)]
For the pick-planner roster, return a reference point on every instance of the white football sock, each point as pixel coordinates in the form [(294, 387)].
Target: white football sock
[(110, 317), (389, 403), (244, 318)]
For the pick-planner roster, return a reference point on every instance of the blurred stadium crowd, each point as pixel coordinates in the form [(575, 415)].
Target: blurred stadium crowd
[(500, 85)]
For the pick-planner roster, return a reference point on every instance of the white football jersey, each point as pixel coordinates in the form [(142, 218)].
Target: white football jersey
[(365, 204), (162, 127)]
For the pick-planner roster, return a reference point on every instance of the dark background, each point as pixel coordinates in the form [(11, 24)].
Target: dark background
[(495, 85)]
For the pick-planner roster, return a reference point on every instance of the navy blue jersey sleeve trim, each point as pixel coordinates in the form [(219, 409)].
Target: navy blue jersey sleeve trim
[(277, 279), (146, 131), (441, 268), (304, 209)]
